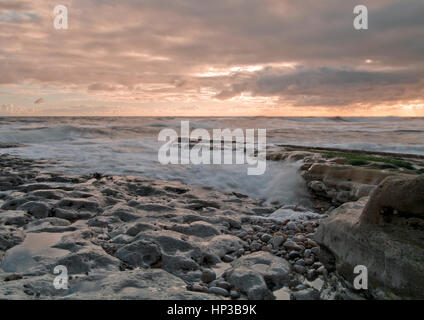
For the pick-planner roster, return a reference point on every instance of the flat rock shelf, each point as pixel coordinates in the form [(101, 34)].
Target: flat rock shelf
[(127, 237)]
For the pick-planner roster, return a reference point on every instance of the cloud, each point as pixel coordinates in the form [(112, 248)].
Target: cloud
[(7, 108), (17, 17), (10, 109), (15, 5), (39, 101), (102, 87), (154, 50), (330, 86)]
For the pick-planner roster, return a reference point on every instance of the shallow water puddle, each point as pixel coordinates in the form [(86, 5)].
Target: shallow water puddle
[(22, 257)]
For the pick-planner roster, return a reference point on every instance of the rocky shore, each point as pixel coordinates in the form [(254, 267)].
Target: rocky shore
[(375, 204), (134, 238)]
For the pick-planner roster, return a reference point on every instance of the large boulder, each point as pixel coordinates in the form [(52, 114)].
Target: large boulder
[(396, 198), (344, 183), (331, 172), (384, 233)]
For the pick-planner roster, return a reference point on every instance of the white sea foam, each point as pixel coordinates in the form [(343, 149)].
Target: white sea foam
[(282, 215)]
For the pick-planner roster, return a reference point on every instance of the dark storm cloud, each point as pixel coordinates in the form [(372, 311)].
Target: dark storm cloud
[(329, 86)]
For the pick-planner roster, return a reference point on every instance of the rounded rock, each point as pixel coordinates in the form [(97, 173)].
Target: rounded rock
[(315, 250), (300, 262), (227, 258), (208, 275), (234, 294), (307, 253), (240, 252), (311, 274), (294, 254), (223, 284), (291, 245), (266, 237), (219, 291), (277, 241), (299, 269)]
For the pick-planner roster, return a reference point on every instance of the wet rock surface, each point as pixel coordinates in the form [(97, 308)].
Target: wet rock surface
[(136, 238), (383, 232)]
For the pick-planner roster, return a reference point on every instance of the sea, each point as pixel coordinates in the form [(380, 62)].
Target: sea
[(129, 146)]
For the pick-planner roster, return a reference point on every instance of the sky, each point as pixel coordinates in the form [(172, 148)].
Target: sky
[(211, 58)]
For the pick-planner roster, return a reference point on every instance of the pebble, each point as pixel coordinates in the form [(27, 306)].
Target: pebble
[(310, 274), (219, 291), (306, 294), (277, 241), (299, 238), (293, 283), (307, 253), (234, 294), (291, 245), (317, 284), (255, 246), (315, 250), (266, 237), (300, 287), (223, 284), (300, 262), (213, 283), (309, 229), (265, 248), (258, 228), (197, 288), (208, 275), (227, 258), (242, 234), (291, 232), (299, 269), (312, 243), (322, 270), (294, 254), (292, 225)]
